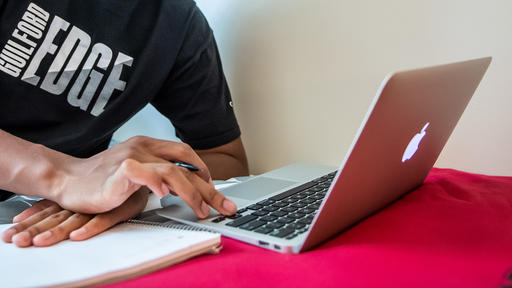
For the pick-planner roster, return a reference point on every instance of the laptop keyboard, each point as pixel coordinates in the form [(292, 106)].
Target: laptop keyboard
[(285, 215)]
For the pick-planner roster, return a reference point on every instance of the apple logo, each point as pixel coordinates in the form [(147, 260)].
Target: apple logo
[(414, 144)]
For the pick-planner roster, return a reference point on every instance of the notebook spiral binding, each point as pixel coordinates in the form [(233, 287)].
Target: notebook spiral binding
[(177, 226)]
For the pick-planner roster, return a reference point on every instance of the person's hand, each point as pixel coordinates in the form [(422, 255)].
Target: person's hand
[(106, 180), (46, 223)]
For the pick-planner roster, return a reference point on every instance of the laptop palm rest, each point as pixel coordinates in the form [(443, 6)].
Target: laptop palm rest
[(242, 194), (256, 188)]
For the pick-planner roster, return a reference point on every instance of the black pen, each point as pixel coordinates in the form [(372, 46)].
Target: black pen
[(190, 167)]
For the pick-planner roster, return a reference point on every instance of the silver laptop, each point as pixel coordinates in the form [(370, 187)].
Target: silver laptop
[(295, 208)]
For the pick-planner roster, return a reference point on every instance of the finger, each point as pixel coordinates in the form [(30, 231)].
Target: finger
[(143, 175), (8, 234), (104, 221), (37, 207), (213, 197), (25, 237), (61, 231), (175, 177), (174, 151)]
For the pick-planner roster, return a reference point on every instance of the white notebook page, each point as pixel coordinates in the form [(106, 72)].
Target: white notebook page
[(121, 247)]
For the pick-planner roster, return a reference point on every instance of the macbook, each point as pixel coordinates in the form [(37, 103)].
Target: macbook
[(297, 207)]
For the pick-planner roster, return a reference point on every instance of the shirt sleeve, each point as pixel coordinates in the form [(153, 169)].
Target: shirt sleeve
[(196, 96)]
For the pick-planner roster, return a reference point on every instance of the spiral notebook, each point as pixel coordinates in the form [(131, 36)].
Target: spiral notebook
[(126, 251)]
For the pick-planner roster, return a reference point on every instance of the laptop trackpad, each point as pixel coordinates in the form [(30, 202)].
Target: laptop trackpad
[(256, 188)]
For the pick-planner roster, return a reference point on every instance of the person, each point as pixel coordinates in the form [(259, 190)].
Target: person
[(71, 73)]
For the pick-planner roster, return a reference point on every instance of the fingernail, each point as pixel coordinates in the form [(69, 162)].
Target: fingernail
[(205, 209), (77, 233), (8, 234), (22, 239), (15, 219), (229, 205), (42, 237)]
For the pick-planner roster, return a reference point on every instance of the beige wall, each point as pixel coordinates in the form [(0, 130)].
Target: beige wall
[(302, 73)]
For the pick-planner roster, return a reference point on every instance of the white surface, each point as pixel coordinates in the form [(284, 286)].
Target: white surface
[(121, 247), (303, 72)]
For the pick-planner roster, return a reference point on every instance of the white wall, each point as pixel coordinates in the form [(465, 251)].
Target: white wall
[(302, 72)]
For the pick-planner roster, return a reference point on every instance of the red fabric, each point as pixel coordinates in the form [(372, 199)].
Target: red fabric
[(454, 231)]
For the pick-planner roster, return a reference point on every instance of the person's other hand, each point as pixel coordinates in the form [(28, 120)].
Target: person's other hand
[(106, 180), (46, 223)]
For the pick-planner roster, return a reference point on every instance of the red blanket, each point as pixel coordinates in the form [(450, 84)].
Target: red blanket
[(454, 231)]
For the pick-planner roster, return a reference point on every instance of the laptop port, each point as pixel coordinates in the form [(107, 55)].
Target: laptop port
[(262, 243), (277, 247)]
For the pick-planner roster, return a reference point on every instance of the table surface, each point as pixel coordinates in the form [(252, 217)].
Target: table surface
[(454, 231)]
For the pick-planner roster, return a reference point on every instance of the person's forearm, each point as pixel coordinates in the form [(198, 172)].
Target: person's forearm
[(30, 169), (225, 166)]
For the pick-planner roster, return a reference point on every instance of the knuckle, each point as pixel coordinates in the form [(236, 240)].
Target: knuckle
[(60, 231), (34, 230), (49, 211), (137, 140), (77, 217), (64, 214), (184, 149), (129, 152), (170, 169)]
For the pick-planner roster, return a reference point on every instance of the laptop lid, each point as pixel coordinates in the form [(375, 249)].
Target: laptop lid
[(404, 131)]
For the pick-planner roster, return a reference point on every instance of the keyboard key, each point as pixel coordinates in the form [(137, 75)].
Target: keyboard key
[(269, 208), (275, 225), (241, 210), (268, 218), (305, 221), (266, 202), (291, 236), (302, 194), (253, 225), (309, 200), (255, 207), (295, 215), (289, 209), (280, 204), (285, 220), (278, 213), (219, 219), (259, 213), (289, 200), (282, 232), (234, 216), (317, 197), (264, 230), (307, 210), (299, 205), (296, 226), (314, 206), (292, 191), (242, 220), (309, 192)]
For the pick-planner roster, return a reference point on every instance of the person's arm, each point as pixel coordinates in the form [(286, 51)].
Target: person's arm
[(226, 161), (104, 181), (30, 169), (46, 223)]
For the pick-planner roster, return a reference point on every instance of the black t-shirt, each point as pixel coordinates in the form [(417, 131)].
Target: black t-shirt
[(73, 71)]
